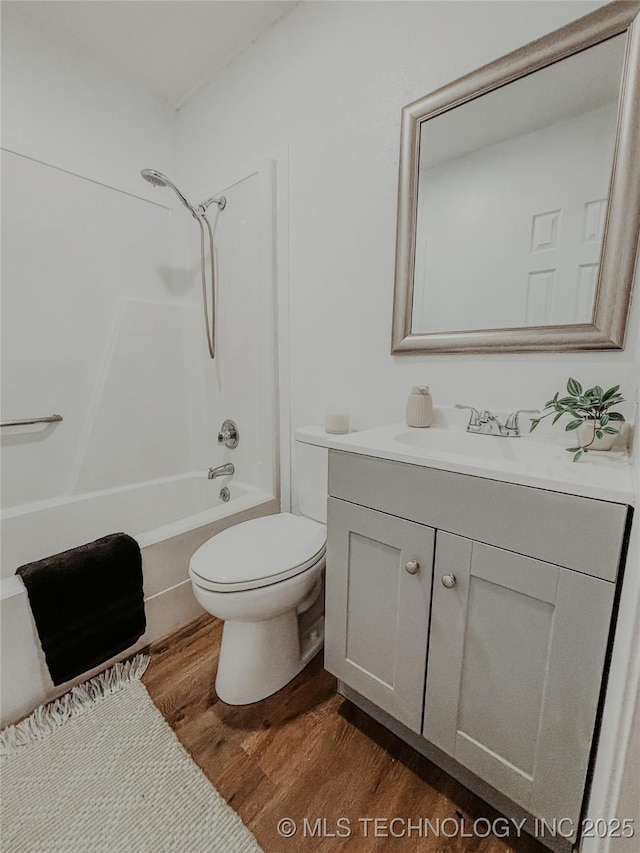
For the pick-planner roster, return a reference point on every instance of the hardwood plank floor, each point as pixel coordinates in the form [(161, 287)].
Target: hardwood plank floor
[(308, 753)]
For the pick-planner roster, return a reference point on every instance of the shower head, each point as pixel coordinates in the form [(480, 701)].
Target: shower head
[(154, 177), (157, 179)]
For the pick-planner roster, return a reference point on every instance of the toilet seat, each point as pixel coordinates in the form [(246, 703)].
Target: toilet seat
[(258, 553)]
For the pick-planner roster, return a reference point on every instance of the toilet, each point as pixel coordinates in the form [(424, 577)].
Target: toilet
[(264, 578)]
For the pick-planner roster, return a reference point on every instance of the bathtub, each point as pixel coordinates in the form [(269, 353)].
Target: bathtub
[(170, 518)]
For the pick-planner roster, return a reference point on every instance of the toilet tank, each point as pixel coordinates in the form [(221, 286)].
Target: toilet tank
[(310, 478)]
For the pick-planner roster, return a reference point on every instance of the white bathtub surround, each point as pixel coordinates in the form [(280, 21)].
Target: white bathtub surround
[(153, 796), (123, 335)]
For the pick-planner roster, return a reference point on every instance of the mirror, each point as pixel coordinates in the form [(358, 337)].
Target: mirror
[(518, 213)]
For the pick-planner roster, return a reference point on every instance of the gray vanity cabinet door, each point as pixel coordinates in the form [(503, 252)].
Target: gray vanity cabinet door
[(377, 613), (516, 655)]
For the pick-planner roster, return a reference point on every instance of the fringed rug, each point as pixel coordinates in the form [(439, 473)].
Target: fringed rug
[(100, 770)]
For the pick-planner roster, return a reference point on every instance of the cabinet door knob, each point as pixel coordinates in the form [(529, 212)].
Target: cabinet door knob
[(412, 567), (449, 581)]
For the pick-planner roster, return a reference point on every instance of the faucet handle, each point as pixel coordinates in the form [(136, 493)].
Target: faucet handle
[(229, 435), (474, 417), (513, 419)]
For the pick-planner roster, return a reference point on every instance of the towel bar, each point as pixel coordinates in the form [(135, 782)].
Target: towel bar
[(52, 419)]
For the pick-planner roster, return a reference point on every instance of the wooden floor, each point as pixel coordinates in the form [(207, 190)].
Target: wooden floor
[(308, 753)]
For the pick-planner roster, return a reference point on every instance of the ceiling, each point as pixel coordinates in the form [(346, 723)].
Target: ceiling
[(173, 46)]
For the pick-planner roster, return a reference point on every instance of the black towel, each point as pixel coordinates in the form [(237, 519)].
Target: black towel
[(87, 603)]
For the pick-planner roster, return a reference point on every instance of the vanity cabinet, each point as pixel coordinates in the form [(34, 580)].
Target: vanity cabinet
[(379, 598), (477, 614), (516, 654)]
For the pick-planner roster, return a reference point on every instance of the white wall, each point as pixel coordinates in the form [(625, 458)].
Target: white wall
[(330, 80), (63, 107)]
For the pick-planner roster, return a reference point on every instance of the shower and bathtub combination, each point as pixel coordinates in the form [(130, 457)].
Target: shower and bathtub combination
[(139, 423)]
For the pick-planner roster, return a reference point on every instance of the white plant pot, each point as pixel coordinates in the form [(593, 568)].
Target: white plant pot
[(585, 434)]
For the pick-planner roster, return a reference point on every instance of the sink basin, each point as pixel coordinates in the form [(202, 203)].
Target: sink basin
[(539, 461), (460, 442)]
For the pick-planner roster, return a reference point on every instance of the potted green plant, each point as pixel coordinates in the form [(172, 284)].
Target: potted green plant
[(590, 416)]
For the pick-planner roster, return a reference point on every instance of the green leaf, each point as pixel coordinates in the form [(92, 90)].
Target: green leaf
[(611, 430), (597, 390), (608, 394), (555, 417), (533, 425), (577, 455), (573, 449), (567, 401), (574, 387), (615, 416), (585, 402), (604, 420), (599, 433), (573, 425)]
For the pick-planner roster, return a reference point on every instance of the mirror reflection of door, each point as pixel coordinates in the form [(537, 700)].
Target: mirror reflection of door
[(512, 199)]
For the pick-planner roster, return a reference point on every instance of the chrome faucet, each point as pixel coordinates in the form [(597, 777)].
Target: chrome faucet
[(486, 423), (221, 471)]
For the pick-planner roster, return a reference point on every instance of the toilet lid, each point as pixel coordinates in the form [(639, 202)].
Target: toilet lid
[(259, 552)]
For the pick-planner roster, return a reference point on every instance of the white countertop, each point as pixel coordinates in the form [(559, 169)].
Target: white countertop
[(541, 462)]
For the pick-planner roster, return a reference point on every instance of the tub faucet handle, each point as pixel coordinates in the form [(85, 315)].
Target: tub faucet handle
[(229, 435)]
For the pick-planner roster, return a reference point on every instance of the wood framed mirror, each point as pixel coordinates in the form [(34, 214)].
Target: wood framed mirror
[(519, 197)]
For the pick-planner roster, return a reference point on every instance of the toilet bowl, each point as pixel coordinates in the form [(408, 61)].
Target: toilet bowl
[(263, 578)]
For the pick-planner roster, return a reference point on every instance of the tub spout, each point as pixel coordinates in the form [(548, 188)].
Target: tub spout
[(221, 471)]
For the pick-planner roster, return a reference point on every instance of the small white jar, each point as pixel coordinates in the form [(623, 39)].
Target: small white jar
[(336, 421), (420, 407)]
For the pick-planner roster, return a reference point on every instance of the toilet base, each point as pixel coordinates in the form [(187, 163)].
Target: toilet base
[(258, 658)]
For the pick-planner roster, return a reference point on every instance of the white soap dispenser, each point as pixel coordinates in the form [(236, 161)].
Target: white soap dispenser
[(420, 407)]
